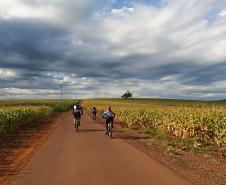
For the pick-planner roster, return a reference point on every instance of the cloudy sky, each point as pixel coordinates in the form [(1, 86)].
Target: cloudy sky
[(101, 48)]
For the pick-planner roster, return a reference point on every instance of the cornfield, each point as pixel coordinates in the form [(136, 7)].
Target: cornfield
[(14, 117), (203, 123), (56, 105), (14, 114)]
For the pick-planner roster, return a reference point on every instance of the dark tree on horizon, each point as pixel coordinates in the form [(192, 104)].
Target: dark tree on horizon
[(127, 95)]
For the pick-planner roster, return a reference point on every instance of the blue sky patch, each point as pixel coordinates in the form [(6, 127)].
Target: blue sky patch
[(129, 3)]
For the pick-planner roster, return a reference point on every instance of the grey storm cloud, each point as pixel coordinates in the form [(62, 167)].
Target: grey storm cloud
[(89, 46), (32, 41), (206, 74)]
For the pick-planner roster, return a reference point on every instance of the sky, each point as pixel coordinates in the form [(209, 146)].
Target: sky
[(101, 48)]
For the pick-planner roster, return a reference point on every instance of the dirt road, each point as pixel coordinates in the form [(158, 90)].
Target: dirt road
[(88, 157)]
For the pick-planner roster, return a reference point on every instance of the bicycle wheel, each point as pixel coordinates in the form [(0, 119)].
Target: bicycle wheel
[(94, 120), (77, 125), (110, 129)]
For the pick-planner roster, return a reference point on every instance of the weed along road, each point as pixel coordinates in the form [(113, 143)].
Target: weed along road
[(88, 157)]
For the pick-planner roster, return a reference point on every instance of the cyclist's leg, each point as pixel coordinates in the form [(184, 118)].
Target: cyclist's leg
[(112, 120), (78, 121), (74, 119), (110, 128), (94, 117), (79, 118), (112, 123)]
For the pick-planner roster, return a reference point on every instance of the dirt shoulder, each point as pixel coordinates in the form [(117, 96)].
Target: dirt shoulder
[(17, 147)]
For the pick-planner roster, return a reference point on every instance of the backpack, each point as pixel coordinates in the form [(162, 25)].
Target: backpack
[(94, 109), (77, 108), (107, 115)]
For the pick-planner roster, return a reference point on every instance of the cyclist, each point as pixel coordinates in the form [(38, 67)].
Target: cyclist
[(110, 110), (77, 111), (109, 117), (94, 113)]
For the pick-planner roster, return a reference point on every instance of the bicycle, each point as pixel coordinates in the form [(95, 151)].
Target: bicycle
[(77, 124), (77, 111), (94, 117), (109, 129)]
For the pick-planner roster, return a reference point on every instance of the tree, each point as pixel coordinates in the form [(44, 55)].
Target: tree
[(127, 95)]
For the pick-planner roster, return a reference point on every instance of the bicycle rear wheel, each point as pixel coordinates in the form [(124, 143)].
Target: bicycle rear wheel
[(110, 129), (94, 118), (77, 125)]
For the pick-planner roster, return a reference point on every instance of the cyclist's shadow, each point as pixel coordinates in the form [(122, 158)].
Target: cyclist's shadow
[(90, 130)]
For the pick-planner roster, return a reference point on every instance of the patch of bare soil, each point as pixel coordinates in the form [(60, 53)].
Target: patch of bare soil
[(18, 146), (198, 168)]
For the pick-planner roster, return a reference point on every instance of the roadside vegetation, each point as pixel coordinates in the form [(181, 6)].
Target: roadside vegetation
[(14, 114), (191, 125), (55, 105)]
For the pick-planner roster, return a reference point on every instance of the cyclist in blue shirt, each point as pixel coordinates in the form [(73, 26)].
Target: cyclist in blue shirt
[(109, 116)]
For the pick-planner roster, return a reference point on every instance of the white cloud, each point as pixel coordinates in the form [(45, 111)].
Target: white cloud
[(19, 93), (223, 13), (20, 9), (7, 73), (179, 31), (122, 11)]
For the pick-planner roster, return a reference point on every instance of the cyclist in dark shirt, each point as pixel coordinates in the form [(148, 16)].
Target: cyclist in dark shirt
[(77, 112), (94, 113)]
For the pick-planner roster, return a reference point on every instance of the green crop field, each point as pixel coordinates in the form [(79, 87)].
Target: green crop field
[(14, 114), (203, 121), (165, 102)]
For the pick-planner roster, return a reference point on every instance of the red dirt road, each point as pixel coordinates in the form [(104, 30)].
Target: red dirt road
[(88, 157)]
